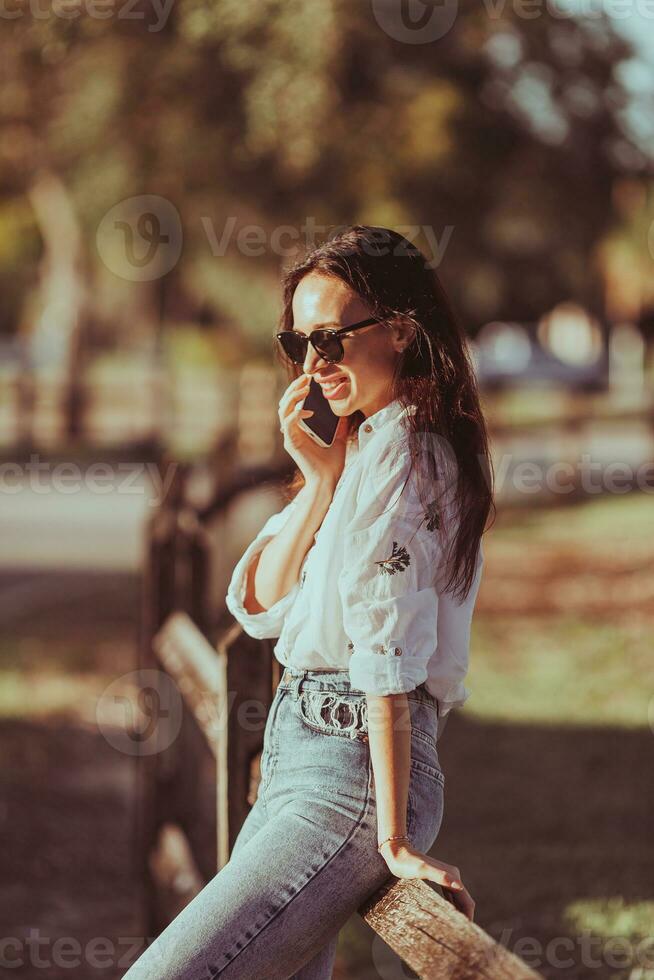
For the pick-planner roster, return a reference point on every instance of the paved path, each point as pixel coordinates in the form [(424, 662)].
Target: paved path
[(45, 527)]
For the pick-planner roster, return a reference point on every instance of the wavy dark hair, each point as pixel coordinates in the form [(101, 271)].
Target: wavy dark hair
[(434, 372)]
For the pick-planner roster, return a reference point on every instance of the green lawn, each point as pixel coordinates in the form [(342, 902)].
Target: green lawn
[(563, 628)]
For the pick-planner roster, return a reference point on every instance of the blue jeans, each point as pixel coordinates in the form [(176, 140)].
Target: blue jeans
[(306, 857)]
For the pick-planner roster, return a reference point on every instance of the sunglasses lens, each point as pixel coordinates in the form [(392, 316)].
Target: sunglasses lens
[(294, 345), (328, 346)]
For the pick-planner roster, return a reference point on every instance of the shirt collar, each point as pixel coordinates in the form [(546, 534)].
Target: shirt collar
[(392, 412)]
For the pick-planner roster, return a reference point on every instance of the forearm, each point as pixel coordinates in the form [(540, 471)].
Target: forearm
[(275, 570), (389, 735)]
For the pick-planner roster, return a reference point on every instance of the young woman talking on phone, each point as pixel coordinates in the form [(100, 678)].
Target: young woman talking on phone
[(368, 577)]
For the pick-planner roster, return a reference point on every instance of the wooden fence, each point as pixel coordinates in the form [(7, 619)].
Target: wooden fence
[(196, 791)]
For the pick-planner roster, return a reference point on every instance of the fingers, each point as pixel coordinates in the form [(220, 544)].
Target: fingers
[(461, 900), (448, 877), (297, 413), (445, 874), (464, 902), (290, 400)]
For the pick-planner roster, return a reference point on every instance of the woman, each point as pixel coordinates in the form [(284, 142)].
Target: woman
[(368, 577)]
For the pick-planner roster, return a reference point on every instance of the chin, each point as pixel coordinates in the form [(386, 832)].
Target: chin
[(343, 407)]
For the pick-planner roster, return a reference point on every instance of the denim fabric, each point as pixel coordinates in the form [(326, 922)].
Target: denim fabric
[(306, 856)]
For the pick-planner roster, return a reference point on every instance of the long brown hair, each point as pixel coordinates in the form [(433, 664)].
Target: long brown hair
[(434, 372)]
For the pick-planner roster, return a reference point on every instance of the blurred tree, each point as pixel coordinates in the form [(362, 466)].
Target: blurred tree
[(499, 142)]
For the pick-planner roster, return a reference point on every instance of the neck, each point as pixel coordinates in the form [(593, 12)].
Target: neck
[(381, 402)]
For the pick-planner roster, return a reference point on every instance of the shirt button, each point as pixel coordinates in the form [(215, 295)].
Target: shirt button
[(367, 428), (398, 651)]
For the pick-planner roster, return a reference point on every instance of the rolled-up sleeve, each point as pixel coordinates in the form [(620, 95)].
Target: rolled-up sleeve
[(389, 601), (269, 623)]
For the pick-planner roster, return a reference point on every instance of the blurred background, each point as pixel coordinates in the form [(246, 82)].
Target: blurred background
[(161, 163)]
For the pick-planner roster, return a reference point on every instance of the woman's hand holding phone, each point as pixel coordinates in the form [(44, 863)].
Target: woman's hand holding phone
[(316, 463)]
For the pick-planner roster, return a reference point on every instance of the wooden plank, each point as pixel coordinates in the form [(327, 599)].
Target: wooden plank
[(157, 598), (191, 659), (228, 691), (199, 793), (174, 872), (436, 940), (250, 689)]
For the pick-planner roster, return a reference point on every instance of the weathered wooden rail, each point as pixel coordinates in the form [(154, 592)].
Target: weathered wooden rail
[(195, 792)]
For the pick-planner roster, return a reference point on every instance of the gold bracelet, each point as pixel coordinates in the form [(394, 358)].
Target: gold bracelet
[(393, 837)]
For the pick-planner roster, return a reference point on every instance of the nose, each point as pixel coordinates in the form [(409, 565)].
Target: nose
[(313, 361)]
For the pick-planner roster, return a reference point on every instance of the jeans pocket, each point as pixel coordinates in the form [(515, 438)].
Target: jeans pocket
[(334, 713)]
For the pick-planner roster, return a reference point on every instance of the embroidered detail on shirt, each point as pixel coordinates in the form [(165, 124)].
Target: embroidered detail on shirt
[(400, 558), (398, 561)]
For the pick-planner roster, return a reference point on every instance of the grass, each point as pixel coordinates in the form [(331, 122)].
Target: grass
[(569, 670), (615, 917), (564, 618)]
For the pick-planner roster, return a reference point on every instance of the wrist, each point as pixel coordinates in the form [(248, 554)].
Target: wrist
[(391, 842), (320, 486)]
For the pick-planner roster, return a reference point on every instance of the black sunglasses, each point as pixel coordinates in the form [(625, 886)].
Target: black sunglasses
[(326, 341)]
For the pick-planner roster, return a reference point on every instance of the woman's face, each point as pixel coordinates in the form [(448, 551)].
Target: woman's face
[(370, 353)]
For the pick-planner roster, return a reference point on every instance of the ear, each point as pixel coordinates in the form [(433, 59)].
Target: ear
[(403, 331)]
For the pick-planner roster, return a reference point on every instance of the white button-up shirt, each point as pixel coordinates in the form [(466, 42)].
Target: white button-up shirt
[(366, 597)]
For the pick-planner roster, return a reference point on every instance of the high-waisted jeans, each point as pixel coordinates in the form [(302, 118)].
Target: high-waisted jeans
[(306, 857)]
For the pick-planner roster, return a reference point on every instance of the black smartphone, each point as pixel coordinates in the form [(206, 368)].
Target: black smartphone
[(322, 425)]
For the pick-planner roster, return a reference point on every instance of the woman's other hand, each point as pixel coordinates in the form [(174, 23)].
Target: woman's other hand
[(316, 463), (404, 861)]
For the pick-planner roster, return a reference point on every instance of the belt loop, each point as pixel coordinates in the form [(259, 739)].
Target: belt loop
[(294, 688)]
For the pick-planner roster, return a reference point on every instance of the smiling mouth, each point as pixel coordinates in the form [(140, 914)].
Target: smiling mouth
[(331, 385)]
